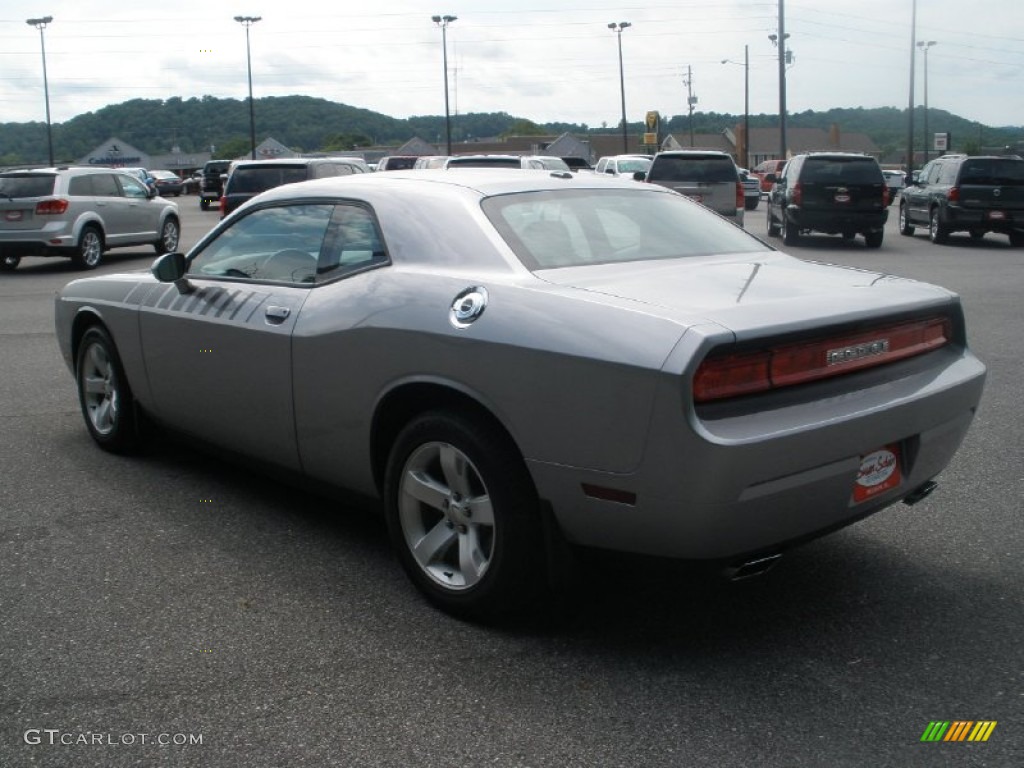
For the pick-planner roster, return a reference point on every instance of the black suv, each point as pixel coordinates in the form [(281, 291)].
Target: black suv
[(210, 186), (832, 192), (250, 177), (960, 193)]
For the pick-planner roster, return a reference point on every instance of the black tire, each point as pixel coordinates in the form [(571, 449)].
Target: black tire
[(937, 231), (1017, 239), (104, 395), (750, 204), (874, 239), (773, 228), (463, 516), (9, 263), (89, 251), (977, 234), (170, 234), (849, 235), (790, 234), (906, 228), (204, 205)]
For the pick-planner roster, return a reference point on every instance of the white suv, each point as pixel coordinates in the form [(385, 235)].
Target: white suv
[(80, 213)]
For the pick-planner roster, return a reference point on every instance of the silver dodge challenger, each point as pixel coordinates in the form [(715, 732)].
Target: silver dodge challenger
[(520, 363)]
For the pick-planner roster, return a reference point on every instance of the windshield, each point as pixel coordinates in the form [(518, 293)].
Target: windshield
[(580, 227)]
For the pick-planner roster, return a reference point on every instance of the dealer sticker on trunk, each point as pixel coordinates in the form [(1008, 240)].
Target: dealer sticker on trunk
[(879, 471)]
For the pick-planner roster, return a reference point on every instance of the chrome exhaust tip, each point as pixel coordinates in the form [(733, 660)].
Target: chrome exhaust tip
[(920, 493), (751, 568)]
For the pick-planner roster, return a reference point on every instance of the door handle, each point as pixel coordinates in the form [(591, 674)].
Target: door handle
[(275, 314)]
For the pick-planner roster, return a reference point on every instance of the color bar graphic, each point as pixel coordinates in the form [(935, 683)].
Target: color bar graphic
[(958, 730)]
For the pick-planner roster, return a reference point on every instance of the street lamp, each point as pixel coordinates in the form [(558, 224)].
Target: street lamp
[(746, 104), (40, 24), (617, 29), (924, 45), (248, 21), (443, 22)]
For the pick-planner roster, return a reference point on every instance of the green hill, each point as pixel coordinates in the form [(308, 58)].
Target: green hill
[(308, 124)]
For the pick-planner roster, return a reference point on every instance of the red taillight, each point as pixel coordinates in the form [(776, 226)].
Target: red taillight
[(53, 207), (797, 197), (741, 196), (953, 195), (746, 373), (885, 196)]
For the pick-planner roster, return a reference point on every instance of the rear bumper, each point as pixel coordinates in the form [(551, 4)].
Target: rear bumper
[(837, 221), (959, 218)]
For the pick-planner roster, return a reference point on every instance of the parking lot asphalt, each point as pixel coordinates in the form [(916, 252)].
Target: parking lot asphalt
[(178, 610)]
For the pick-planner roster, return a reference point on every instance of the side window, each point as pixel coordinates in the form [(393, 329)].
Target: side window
[(132, 188), (353, 243), (930, 173), (947, 174), (105, 185), (80, 186), (280, 244)]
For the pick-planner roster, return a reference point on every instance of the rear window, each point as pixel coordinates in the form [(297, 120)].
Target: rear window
[(397, 163), (571, 228), (259, 179), (26, 185), (670, 168), (841, 170), (996, 171), (485, 162)]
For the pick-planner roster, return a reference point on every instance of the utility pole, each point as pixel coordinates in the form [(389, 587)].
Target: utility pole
[(783, 144), (910, 110), (691, 100)]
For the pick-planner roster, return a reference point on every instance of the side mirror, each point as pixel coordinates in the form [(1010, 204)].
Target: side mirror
[(170, 268), (639, 175)]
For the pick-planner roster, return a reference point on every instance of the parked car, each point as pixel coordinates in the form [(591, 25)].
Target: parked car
[(167, 183), (522, 363), (211, 188), (80, 213), (707, 176), (964, 193), (832, 192), (768, 167), (751, 189), (250, 177), (396, 162), (622, 165), (895, 180), (535, 162)]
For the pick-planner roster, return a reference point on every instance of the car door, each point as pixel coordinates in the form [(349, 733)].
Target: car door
[(133, 219), (916, 195), (218, 350)]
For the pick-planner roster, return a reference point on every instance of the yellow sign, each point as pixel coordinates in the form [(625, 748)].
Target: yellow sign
[(652, 122), (650, 139)]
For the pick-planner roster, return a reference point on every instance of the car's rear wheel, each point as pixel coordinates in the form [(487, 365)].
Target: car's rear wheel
[(750, 203), (9, 263), (204, 205), (89, 250), (773, 228), (103, 393), (905, 226), (937, 231), (1017, 238), (873, 239), (790, 234), (977, 234), (463, 515), (170, 233)]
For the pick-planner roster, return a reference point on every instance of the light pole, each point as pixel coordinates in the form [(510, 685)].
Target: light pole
[(924, 46), (443, 22), (910, 108), (617, 28), (40, 24), (248, 21), (746, 104)]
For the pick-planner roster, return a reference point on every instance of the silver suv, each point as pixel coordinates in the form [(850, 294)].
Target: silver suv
[(708, 176), (80, 213)]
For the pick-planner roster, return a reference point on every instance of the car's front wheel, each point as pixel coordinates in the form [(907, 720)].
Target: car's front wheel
[(103, 393), (9, 263), (906, 228), (790, 234), (89, 250), (937, 231), (170, 233), (773, 228), (463, 515)]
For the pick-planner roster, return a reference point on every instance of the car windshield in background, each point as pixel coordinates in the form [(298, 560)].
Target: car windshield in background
[(485, 162), (841, 170), (255, 180), (689, 168), (632, 166), (547, 230), (992, 171), (26, 185)]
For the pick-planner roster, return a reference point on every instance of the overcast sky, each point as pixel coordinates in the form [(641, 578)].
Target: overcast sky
[(545, 60)]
